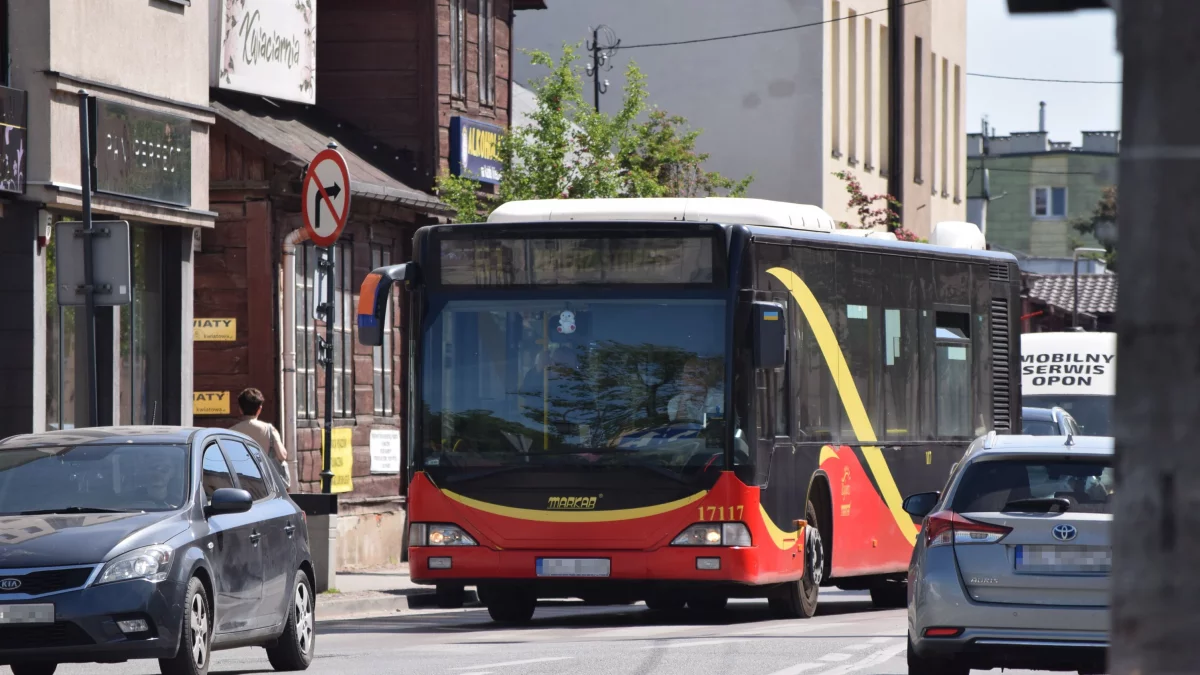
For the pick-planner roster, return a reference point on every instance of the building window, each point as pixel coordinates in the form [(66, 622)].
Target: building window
[(487, 52), (918, 111), (885, 101), (958, 133), (945, 128), (1050, 202), (141, 366), (458, 48), (835, 77), (381, 357), (868, 92), (306, 333), (308, 395), (852, 45)]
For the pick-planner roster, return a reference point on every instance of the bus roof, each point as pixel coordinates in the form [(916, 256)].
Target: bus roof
[(724, 210)]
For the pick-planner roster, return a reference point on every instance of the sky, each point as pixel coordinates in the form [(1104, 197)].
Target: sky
[(1073, 46)]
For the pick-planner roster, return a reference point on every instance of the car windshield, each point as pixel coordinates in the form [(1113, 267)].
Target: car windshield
[(989, 486), (1091, 413), (573, 382), (1040, 428), (92, 478)]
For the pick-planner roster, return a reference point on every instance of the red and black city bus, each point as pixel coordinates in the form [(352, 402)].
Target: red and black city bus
[(623, 404)]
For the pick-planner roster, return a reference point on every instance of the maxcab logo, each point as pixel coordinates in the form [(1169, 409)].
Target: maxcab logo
[(1065, 368)]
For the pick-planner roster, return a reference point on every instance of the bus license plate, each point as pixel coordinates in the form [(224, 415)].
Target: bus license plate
[(573, 567), (1064, 559), (27, 613)]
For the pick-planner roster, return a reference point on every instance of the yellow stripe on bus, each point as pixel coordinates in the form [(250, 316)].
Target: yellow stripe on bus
[(784, 540), (851, 401), (574, 516)]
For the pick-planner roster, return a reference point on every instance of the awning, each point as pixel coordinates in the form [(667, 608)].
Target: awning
[(297, 134)]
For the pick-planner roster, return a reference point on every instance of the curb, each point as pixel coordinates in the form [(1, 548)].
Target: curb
[(382, 604)]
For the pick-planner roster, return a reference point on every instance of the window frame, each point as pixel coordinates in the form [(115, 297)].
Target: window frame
[(1049, 191), (343, 329), (487, 52), (233, 482), (306, 333), (237, 476), (458, 49)]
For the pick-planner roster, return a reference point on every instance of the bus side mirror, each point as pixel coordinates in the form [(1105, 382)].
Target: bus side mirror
[(373, 300), (770, 335)]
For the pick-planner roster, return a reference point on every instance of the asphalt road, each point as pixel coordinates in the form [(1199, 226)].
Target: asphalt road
[(848, 636)]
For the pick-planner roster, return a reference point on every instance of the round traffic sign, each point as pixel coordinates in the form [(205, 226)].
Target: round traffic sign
[(325, 197)]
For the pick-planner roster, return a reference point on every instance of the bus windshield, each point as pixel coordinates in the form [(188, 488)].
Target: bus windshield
[(573, 382)]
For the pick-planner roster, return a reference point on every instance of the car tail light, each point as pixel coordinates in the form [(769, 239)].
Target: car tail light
[(942, 632), (946, 527)]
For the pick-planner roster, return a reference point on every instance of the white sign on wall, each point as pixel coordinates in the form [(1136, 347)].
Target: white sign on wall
[(385, 451), (266, 47)]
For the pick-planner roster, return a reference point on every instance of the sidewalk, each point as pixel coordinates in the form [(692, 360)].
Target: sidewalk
[(376, 592)]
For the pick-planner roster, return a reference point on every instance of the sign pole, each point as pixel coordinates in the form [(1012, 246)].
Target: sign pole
[(89, 322)]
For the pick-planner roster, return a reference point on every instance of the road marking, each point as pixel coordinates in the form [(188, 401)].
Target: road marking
[(799, 668), (480, 672), (871, 660), (796, 628), (835, 657), (855, 647), (881, 640), (692, 643), (524, 662)]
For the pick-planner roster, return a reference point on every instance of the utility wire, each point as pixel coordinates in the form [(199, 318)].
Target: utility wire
[(762, 32), (1041, 79)]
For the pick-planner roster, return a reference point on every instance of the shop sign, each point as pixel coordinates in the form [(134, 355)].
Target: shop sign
[(266, 47), (385, 451), (210, 403), (214, 330), (342, 460), (475, 150), (13, 150), (142, 153)]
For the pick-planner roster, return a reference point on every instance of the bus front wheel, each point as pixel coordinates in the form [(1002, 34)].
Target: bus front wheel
[(798, 599), (510, 605)]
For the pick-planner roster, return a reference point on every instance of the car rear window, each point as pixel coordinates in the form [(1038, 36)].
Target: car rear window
[(990, 485)]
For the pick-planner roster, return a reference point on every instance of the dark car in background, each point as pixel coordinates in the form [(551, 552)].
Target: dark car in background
[(149, 542), (1048, 422)]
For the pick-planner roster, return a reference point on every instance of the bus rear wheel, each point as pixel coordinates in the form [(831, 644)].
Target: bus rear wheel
[(798, 599)]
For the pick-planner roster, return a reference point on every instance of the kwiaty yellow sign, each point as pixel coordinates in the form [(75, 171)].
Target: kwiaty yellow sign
[(214, 330), (210, 403), (342, 460)]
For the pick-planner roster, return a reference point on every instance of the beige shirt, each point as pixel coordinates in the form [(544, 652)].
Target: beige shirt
[(263, 434)]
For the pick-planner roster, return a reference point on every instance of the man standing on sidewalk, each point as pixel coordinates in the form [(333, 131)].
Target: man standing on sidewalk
[(263, 433)]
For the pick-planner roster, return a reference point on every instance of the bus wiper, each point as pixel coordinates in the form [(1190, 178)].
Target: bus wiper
[(71, 509), (1038, 505)]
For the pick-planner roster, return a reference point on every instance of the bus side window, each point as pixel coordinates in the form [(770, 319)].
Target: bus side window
[(952, 346)]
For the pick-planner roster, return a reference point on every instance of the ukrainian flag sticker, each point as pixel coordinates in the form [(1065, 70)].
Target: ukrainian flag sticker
[(770, 316)]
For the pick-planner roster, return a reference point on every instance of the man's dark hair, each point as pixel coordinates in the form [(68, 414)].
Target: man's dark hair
[(251, 401)]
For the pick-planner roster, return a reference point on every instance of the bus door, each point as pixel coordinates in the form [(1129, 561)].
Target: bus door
[(773, 442)]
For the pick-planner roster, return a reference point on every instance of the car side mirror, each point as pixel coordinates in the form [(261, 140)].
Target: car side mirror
[(921, 504), (228, 500), (770, 335)]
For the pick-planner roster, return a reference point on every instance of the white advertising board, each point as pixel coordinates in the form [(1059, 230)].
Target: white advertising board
[(266, 47)]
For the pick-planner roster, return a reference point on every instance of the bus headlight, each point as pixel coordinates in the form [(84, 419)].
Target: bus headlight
[(714, 534), (439, 534)]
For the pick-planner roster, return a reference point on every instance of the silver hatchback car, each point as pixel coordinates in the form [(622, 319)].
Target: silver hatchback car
[(1011, 569)]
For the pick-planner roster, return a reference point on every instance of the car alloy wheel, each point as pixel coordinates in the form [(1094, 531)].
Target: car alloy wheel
[(199, 625), (304, 618)]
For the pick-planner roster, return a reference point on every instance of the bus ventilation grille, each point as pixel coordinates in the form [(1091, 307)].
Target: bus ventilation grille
[(998, 272), (1001, 366)]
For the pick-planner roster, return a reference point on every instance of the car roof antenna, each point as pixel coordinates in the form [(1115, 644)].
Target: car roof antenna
[(1070, 439)]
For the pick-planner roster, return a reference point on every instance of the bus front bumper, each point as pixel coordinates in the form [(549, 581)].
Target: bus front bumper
[(473, 565)]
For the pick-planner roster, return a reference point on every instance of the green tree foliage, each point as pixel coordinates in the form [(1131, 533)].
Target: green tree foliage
[(1105, 212), (570, 151)]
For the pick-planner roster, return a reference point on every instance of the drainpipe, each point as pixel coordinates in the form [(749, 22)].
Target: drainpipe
[(289, 350)]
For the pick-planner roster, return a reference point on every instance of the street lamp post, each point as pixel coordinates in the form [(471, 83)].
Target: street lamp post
[(1075, 273)]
